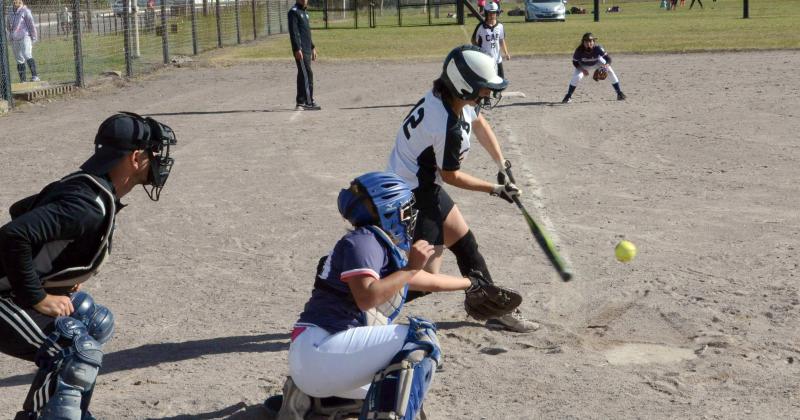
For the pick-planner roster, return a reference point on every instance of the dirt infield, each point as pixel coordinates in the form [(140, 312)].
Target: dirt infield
[(698, 168)]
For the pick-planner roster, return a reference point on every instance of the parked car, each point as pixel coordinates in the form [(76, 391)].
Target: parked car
[(545, 10)]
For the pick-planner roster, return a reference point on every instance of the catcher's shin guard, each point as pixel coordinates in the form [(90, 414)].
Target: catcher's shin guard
[(468, 257), (397, 391)]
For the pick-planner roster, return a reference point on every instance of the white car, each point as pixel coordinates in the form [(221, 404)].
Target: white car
[(542, 10)]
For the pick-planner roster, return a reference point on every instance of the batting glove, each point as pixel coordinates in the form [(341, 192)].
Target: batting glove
[(504, 175), (506, 192)]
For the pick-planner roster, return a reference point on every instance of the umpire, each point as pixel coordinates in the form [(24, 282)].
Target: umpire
[(304, 53), (55, 241)]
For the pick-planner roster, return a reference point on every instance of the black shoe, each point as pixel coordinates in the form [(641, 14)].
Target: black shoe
[(567, 99), (621, 96), (312, 107)]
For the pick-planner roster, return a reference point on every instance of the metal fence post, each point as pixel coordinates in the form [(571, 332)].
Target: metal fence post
[(219, 24), (267, 20), (238, 21), (5, 70), (280, 16), (126, 37), (164, 32), (255, 28), (77, 43), (194, 30)]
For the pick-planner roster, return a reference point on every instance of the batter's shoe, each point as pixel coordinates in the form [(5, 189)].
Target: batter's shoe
[(621, 96), (567, 99), (512, 322)]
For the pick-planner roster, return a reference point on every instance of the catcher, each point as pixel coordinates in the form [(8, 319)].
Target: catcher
[(346, 332), (591, 56)]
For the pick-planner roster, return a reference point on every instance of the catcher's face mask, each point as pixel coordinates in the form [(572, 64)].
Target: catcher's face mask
[(161, 138)]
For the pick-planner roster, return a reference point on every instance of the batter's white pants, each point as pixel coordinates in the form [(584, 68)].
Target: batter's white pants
[(578, 75), (342, 364), (23, 49)]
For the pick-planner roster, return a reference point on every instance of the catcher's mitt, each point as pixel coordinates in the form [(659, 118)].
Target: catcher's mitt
[(600, 74), (485, 300)]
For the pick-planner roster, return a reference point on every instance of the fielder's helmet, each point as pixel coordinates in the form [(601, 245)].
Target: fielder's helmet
[(386, 194), (491, 7), (467, 69)]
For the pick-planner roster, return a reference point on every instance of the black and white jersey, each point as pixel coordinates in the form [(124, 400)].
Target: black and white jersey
[(488, 39), (431, 137)]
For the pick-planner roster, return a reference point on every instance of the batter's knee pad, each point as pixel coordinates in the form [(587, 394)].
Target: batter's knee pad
[(77, 372), (468, 257), (98, 319), (397, 391)]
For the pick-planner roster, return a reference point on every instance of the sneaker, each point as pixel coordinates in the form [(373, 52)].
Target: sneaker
[(566, 100), (35, 79), (299, 107), (621, 96), (512, 322), (295, 404), (311, 107)]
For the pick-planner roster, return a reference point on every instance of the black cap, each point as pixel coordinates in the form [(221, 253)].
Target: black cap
[(117, 136)]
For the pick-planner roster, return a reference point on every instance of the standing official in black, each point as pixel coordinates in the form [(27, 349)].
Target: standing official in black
[(55, 241), (304, 53)]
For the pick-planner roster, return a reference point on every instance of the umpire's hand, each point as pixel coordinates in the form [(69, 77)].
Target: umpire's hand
[(53, 305)]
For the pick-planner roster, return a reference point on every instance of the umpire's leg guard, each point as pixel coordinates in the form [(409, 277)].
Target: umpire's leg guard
[(98, 319), (74, 365), (397, 391), (468, 257)]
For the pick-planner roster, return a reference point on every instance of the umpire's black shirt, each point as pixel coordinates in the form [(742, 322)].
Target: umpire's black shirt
[(300, 29), (62, 233)]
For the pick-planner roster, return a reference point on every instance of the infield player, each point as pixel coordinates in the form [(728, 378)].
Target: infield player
[(346, 332), (490, 37), (591, 56), (55, 241), (430, 146)]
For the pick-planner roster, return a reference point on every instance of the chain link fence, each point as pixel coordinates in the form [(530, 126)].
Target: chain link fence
[(74, 41), (349, 14)]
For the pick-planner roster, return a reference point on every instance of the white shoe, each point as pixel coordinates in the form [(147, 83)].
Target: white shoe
[(296, 404), (35, 79), (512, 322)]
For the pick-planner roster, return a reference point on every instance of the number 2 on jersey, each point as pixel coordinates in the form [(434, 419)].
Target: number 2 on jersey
[(414, 118)]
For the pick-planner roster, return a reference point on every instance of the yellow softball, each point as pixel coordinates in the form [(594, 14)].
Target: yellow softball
[(625, 251)]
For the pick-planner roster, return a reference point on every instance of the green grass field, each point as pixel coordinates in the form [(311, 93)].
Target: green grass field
[(641, 27)]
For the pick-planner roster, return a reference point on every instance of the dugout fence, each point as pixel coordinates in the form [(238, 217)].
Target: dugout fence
[(82, 39)]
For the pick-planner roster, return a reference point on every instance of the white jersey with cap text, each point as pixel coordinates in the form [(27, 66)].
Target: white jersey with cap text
[(431, 137), (488, 39)]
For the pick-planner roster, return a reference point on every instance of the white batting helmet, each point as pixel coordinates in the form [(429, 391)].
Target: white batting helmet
[(467, 69)]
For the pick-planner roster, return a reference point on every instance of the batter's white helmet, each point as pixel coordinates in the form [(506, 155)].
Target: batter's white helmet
[(491, 7), (467, 69)]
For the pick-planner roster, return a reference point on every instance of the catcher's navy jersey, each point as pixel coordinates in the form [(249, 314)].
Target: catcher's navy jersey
[(431, 137), (358, 253), (488, 39), (584, 58)]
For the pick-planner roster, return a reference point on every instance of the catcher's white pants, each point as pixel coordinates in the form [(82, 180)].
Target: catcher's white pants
[(578, 75), (23, 49), (342, 364)]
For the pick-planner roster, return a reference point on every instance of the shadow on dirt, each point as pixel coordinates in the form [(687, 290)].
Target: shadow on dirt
[(233, 111), (238, 411), (379, 106), (154, 354)]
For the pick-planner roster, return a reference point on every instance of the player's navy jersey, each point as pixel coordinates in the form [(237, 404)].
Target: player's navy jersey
[(584, 58), (488, 39), (300, 30), (431, 137), (332, 306)]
